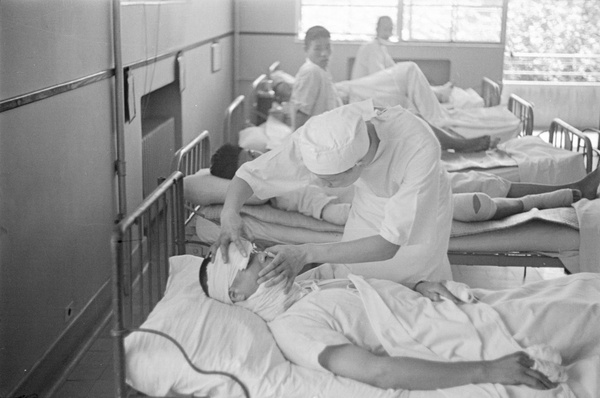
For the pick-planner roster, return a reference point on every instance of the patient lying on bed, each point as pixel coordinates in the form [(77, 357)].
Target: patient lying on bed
[(478, 196), (379, 332), (311, 201)]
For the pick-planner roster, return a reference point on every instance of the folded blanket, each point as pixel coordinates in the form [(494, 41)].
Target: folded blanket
[(588, 214), (543, 163), (462, 161), (566, 216)]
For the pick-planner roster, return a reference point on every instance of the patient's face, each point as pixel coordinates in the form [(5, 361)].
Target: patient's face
[(244, 285), (319, 52), (384, 31)]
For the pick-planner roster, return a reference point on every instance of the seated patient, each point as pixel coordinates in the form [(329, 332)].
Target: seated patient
[(379, 332), (477, 196)]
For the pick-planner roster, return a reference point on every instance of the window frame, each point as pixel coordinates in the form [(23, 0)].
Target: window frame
[(398, 28)]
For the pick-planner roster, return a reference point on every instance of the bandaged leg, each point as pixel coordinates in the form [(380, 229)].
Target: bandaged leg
[(560, 198), (473, 207)]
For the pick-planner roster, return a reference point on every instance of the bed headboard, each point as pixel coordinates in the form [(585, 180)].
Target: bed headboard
[(142, 244), (235, 120), (491, 92), (563, 135), (191, 158), (524, 111)]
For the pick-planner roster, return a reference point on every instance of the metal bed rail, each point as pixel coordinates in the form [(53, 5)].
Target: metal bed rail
[(491, 92), (142, 244), (191, 158), (235, 120), (524, 111), (563, 135)]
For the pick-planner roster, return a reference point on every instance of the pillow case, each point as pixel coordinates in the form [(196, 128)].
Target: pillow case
[(224, 338)]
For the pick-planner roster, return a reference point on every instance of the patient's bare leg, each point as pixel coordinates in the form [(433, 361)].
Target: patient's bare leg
[(588, 187)]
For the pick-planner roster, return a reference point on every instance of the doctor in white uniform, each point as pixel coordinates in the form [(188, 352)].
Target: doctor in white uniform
[(399, 224)]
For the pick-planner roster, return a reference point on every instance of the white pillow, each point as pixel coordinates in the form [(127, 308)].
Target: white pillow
[(223, 338), (254, 138)]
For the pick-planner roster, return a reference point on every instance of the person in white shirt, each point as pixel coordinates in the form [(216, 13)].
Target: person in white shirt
[(314, 92), (374, 56), (401, 214)]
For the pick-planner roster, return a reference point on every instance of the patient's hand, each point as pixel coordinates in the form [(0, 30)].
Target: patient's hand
[(288, 261), (336, 213), (435, 291), (514, 369)]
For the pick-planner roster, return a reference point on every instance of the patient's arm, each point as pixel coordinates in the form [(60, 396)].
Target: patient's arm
[(206, 189), (417, 374)]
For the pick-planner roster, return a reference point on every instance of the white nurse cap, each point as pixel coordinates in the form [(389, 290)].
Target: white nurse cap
[(335, 141)]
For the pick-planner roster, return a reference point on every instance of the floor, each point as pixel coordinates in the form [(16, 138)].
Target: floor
[(93, 376)]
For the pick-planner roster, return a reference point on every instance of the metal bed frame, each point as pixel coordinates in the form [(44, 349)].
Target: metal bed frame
[(563, 136), (491, 92), (235, 120), (524, 111), (142, 244), (188, 160)]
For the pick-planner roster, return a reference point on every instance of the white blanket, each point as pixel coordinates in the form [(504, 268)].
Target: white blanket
[(588, 215), (402, 320), (543, 163)]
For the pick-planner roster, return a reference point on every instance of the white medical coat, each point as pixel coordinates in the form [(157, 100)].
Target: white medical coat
[(403, 195)]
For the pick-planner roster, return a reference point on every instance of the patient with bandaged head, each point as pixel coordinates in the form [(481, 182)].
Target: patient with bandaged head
[(379, 332)]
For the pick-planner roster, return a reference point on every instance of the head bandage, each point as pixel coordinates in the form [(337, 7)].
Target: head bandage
[(220, 276), (335, 141)]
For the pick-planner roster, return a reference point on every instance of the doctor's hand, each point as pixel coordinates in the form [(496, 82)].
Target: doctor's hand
[(233, 229), (287, 262), (435, 291)]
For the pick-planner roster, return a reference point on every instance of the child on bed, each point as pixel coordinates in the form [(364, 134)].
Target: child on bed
[(373, 57), (314, 92), (380, 332), (478, 196)]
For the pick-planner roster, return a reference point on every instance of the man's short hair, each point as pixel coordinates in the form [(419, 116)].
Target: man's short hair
[(224, 162), (203, 275), (314, 33), (381, 19)]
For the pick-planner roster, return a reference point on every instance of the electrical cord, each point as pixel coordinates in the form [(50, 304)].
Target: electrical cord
[(189, 361)]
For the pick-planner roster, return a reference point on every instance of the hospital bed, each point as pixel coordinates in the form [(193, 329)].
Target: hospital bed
[(171, 340), (547, 238)]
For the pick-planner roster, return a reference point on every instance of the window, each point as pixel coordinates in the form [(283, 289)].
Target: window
[(553, 41), (415, 20)]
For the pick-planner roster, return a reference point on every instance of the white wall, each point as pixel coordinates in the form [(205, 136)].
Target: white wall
[(267, 34), (57, 179), (577, 104)]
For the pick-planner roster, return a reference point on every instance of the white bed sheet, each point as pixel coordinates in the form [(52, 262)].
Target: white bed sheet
[(231, 339), (525, 159)]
